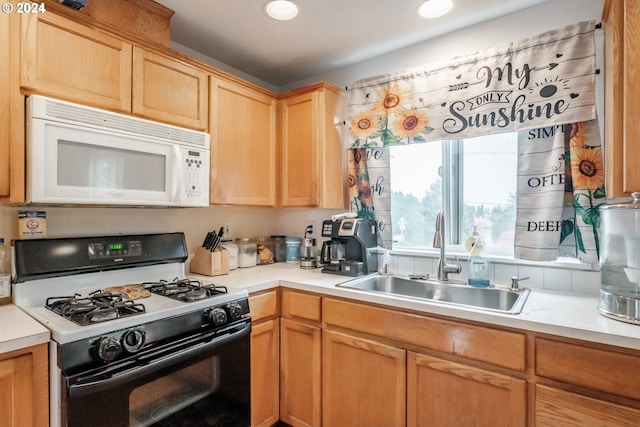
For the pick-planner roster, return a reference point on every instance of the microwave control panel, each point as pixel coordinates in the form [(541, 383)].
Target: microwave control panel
[(195, 177)]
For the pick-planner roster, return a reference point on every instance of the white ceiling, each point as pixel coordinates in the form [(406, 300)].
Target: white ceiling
[(327, 34)]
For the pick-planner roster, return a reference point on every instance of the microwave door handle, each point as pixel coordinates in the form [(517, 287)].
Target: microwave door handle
[(177, 173)]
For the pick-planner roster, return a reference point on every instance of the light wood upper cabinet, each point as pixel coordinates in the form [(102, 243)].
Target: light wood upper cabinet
[(12, 139), (68, 60), (621, 20), (242, 123), (24, 387), (168, 90), (442, 393), (313, 164), (5, 104)]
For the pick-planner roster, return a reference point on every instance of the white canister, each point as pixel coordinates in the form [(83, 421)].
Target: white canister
[(232, 248), (247, 252)]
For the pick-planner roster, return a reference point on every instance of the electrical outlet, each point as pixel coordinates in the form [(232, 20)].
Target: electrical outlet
[(226, 231)]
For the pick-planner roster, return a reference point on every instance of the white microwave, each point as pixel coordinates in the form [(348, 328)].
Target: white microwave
[(82, 155)]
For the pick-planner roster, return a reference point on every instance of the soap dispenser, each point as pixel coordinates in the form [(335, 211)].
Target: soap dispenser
[(479, 266), (386, 260)]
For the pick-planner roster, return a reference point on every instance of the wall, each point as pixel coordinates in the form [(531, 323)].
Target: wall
[(195, 222), (529, 22)]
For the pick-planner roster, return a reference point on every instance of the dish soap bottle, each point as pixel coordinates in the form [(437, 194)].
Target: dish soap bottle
[(479, 267)]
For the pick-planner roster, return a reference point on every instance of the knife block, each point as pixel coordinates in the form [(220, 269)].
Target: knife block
[(210, 263)]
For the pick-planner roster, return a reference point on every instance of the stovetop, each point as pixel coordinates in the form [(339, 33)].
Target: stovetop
[(32, 297), (98, 306), (186, 290), (74, 286)]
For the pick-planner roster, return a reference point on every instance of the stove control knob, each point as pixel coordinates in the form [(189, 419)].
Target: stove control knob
[(133, 340), (218, 316), (109, 348), (235, 311)]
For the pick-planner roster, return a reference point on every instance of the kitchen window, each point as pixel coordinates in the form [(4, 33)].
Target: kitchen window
[(473, 180)]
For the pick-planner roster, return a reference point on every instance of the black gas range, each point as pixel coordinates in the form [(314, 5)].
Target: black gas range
[(126, 322)]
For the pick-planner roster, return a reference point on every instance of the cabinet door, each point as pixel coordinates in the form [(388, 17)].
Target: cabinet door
[(557, 408), (300, 374), (265, 373), (299, 150), (68, 60), (243, 144), (24, 379), (168, 90), (622, 94), (364, 382), (333, 161), (442, 393), (5, 103)]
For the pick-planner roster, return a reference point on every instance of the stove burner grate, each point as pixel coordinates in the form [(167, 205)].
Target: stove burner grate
[(99, 306), (186, 290)]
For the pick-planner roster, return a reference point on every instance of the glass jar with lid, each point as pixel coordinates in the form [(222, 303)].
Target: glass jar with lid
[(264, 247), (279, 248), (247, 252)]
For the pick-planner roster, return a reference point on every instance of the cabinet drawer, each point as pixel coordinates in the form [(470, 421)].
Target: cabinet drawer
[(263, 305), (557, 408), (598, 369), (502, 348), (301, 305)]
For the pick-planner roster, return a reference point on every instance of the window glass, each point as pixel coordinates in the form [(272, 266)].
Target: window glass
[(479, 175)]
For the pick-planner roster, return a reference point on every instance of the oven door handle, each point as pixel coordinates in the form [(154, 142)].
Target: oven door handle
[(98, 382)]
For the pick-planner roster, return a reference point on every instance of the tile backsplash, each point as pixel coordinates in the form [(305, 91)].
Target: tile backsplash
[(539, 277)]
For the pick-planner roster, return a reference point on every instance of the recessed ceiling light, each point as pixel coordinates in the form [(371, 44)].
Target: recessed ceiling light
[(435, 8), (282, 10)]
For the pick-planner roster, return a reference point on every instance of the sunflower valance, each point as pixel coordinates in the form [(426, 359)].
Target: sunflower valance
[(542, 87), (532, 83)]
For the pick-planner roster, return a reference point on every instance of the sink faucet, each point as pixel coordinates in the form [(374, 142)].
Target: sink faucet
[(439, 242)]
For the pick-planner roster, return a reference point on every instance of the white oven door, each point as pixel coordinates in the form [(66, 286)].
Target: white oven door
[(72, 164)]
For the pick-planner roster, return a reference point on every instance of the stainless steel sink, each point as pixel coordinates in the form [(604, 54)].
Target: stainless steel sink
[(501, 300)]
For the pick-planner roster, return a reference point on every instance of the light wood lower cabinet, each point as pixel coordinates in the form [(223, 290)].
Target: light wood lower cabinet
[(300, 382), (364, 382), (591, 384), (442, 393), (24, 387), (349, 363), (265, 358), (265, 373), (558, 408)]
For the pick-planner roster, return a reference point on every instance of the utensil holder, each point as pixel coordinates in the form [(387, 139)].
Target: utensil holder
[(209, 263)]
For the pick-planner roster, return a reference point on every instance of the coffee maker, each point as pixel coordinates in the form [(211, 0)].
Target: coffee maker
[(348, 252)]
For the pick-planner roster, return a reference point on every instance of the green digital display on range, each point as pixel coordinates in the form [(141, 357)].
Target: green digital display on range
[(115, 246)]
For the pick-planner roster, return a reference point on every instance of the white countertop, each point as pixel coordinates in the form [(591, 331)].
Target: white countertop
[(18, 330), (566, 314)]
